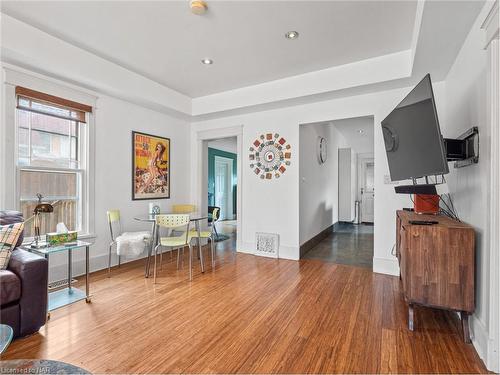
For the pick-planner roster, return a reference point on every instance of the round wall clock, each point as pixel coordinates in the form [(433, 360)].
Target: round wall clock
[(322, 152), (269, 156)]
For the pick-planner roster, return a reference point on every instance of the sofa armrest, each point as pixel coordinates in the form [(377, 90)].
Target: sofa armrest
[(32, 270)]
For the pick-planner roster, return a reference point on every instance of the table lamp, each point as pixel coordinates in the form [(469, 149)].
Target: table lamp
[(40, 209)]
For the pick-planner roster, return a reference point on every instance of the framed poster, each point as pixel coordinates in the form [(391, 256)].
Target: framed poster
[(150, 166)]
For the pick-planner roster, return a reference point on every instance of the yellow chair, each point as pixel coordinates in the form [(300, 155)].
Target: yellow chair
[(183, 208), (208, 234), (175, 221), (115, 229)]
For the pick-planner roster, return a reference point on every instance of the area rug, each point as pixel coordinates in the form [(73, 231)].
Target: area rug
[(39, 366)]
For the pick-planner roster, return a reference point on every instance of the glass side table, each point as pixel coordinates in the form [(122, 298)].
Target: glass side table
[(68, 295), (6, 334)]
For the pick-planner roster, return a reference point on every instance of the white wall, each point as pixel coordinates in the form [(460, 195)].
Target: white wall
[(273, 206), (318, 191), (466, 106), (114, 120)]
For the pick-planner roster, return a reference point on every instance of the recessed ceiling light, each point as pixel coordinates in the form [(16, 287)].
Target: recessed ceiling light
[(292, 35), (207, 61), (361, 131)]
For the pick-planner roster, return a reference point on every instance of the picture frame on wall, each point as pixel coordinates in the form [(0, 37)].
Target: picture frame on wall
[(150, 166)]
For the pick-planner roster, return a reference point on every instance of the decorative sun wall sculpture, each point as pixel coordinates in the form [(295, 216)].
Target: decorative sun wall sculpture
[(269, 156)]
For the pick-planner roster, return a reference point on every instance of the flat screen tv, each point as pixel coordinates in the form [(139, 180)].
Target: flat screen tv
[(413, 141)]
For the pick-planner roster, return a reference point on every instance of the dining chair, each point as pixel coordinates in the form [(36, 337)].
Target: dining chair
[(115, 230), (178, 222), (208, 234), (183, 208), (213, 217)]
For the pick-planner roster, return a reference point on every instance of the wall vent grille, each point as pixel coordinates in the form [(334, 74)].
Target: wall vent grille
[(267, 244)]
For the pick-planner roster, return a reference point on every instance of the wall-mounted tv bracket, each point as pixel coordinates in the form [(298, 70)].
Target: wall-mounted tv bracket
[(464, 150)]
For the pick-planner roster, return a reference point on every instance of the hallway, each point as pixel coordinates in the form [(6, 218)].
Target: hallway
[(350, 244)]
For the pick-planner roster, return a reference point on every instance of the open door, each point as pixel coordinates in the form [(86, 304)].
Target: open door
[(368, 192)]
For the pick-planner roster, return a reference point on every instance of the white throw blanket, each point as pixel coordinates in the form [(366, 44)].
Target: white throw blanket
[(131, 244)]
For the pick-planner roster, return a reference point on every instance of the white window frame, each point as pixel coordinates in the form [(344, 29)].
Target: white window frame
[(9, 168), (82, 170)]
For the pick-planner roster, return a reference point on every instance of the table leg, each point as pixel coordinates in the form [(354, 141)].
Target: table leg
[(87, 271), (69, 270), (197, 223), (150, 249), (48, 311)]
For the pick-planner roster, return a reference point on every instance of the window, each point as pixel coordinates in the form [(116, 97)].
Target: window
[(51, 158)]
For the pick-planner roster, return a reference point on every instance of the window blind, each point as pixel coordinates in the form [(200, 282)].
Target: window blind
[(36, 101)]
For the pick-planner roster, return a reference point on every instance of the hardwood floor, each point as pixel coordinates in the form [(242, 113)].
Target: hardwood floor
[(250, 315)]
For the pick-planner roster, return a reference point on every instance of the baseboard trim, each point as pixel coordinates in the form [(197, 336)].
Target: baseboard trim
[(309, 244), (97, 263), (484, 345)]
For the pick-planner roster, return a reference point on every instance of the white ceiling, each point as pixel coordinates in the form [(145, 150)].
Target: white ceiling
[(350, 128), (163, 41)]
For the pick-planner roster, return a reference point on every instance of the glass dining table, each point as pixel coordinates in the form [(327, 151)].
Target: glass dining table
[(195, 218)]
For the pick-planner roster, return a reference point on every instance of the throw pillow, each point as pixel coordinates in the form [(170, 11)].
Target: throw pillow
[(8, 239)]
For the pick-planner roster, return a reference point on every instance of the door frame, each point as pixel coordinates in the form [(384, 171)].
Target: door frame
[(199, 189), (228, 182)]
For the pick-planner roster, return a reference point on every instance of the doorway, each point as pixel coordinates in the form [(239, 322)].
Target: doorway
[(223, 187), (339, 191), (221, 181)]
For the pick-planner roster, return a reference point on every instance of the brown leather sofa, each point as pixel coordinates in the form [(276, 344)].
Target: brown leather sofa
[(23, 286)]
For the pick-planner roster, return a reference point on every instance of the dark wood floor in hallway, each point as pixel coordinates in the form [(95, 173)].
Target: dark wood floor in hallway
[(249, 315)]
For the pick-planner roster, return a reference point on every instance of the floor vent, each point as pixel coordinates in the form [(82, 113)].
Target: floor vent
[(267, 244), (60, 284)]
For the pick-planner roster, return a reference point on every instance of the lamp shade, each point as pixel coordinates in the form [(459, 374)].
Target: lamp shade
[(43, 208)]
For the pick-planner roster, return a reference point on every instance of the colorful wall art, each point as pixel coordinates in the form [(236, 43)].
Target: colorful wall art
[(150, 166), (270, 156)]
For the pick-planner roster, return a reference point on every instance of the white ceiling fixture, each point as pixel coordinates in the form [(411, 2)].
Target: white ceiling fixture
[(198, 6), (292, 35), (207, 61)]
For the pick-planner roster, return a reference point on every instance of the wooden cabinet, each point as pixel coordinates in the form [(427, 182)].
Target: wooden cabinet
[(436, 264)]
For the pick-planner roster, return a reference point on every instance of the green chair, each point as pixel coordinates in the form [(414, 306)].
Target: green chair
[(179, 222)]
